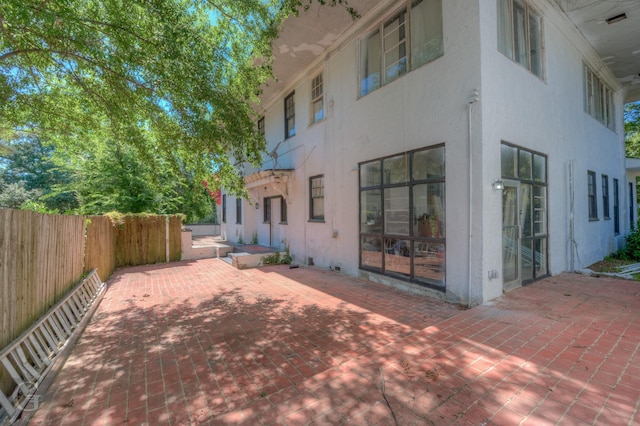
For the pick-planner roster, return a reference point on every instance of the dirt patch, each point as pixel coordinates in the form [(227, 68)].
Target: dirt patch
[(609, 265)]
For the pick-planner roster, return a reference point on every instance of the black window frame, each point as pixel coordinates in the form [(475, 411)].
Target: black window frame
[(312, 197)]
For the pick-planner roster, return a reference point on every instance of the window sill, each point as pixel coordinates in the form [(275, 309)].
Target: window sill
[(316, 123), (607, 218), (594, 219), (316, 220), (282, 223)]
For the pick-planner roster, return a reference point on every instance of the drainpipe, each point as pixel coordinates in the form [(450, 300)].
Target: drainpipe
[(571, 218), (475, 97)]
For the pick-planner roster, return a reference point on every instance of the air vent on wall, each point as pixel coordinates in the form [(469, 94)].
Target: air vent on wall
[(617, 18)]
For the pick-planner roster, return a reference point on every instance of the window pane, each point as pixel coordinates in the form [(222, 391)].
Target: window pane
[(370, 63), (504, 28), (508, 159), (525, 210), (396, 169), (318, 111), (527, 260), (539, 168), (519, 33), (428, 164), (371, 211), (540, 253), (428, 205), (426, 31), (318, 208), (395, 48), (396, 211), (370, 174), (428, 261), (535, 41), (397, 257), (539, 210), (524, 165), (371, 252)]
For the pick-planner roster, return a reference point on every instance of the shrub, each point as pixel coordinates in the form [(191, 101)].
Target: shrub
[(631, 249)]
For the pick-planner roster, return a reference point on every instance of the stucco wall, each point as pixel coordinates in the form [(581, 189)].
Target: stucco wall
[(431, 105)]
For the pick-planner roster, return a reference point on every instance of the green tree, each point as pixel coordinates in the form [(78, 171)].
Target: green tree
[(185, 69), (632, 129), (30, 165)]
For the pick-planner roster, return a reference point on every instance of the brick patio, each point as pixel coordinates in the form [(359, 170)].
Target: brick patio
[(203, 343)]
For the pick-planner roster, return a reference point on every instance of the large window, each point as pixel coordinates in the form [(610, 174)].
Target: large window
[(317, 102), (316, 199), (591, 195), (402, 216), (409, 39), (289, 116), (605, 196), (598, 98), (520, 34)]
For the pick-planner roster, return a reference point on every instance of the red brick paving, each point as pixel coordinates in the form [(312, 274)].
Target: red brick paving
[(204, 343)]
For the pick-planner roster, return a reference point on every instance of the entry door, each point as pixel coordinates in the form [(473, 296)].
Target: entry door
[(511, 233)]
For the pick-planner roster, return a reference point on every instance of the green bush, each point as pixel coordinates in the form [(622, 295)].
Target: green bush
[(631, 249)]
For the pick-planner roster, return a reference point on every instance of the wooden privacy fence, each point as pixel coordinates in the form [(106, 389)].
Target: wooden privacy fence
[(43, 256)]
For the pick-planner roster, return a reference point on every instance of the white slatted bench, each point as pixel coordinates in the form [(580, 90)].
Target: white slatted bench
[(31, 356)]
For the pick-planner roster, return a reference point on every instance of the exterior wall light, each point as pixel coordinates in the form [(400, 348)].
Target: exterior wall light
[(497, 185)]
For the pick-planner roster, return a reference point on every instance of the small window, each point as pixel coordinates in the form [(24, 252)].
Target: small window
[(616, 207), (261, 128), (238, 210), (317, 102), (283, 210), (267, 210), (224, 208), (520, 34), (316, 189), (289, 116), (591, 191), (605, 196)]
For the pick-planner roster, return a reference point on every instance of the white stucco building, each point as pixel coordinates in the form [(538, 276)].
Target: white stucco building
[(457, 147)]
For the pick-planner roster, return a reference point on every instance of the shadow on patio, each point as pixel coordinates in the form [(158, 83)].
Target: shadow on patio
[(204, 343)]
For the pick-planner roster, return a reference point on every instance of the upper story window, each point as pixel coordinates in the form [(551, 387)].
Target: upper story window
[(520, 34), (317, 99), (598, 98), (411, 38), (261, 128), (289, 116)]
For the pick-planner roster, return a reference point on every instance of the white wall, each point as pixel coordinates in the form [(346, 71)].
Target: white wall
[(548, 116), (430, 106)]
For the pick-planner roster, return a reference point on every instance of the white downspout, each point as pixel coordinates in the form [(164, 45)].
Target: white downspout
[(475, 97), (571, 217)]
